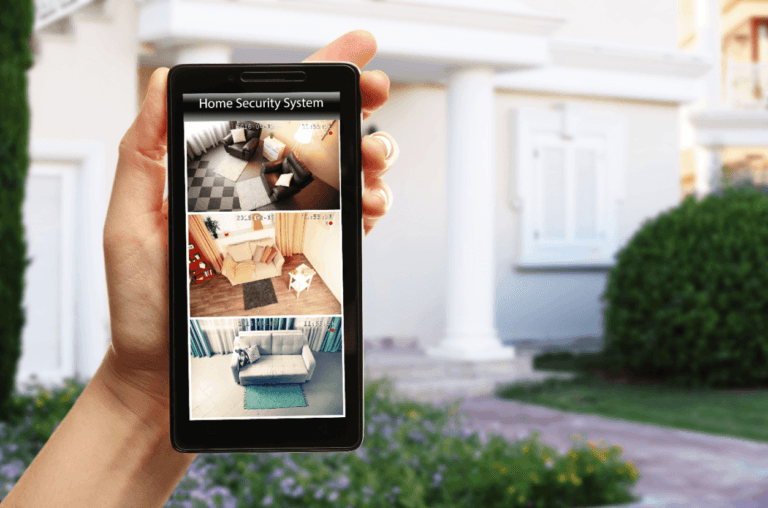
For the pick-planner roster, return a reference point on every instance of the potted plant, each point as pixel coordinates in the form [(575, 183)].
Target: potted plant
[(212, 225)]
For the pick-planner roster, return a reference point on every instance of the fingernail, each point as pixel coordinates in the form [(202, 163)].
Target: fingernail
[(379, 197), (386, 142)]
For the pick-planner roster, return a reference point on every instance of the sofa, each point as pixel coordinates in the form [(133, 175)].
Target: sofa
[(289, 165), (248, 149), (243, 262), (285, 358)]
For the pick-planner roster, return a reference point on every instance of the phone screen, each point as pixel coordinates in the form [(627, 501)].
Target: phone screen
[(264, 229)]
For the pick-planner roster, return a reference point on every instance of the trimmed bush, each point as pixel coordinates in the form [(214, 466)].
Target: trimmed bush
[(687, 302), (414, 455), (15, 59)]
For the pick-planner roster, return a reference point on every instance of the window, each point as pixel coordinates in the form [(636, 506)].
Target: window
[(568, 171)]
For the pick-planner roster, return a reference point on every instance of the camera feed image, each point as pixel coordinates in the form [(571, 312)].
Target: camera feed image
[(264, 264), (269, 165), (266, 368)]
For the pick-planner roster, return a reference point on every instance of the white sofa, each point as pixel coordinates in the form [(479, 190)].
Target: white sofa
[(285, 358)]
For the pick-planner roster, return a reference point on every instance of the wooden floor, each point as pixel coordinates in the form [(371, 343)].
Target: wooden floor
[(217, 297)]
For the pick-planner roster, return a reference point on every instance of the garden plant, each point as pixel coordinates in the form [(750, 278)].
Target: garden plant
[(414, 455), (687, 301)]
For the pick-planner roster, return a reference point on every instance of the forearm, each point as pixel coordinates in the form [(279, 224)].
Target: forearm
[(112, 449)]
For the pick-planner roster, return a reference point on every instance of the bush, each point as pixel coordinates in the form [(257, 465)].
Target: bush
[(414, 455), (569, 362), (15, 58), (687, 302)]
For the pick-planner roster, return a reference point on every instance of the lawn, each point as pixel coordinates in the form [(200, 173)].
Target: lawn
[(737, 413)]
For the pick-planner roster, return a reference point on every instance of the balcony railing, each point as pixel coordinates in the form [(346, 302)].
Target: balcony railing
[(747, 85), (50, 11)]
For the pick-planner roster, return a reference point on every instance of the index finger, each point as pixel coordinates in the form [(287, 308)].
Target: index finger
[(357, 47)]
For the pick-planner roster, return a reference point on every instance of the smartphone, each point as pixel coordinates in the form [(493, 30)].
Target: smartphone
[(265, 232)]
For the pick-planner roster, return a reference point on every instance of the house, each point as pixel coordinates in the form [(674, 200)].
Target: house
[(535, 139)]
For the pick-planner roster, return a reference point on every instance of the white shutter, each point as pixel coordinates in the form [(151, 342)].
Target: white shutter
[(586, 196), (552, 190)]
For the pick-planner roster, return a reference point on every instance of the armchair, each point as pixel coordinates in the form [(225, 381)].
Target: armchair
[(244, 150), (288, 165)]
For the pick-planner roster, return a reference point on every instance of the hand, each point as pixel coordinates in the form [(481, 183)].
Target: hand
[(113, 449)]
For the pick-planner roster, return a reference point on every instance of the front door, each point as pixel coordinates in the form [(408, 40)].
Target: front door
[(48, 337)]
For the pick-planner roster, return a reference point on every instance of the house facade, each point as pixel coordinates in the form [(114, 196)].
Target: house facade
[(535, 138)]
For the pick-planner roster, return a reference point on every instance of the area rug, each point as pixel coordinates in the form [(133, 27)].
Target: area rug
[(274, 396), (258, 293), (230, 168), (253, 193)]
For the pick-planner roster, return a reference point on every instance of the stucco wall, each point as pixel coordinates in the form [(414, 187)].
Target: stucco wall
[(405, 259), (647, 23), (83, 85)]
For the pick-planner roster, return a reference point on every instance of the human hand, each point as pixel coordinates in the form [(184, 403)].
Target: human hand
[(135, 234)]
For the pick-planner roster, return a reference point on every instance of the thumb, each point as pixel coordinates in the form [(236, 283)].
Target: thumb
[(140, 174)]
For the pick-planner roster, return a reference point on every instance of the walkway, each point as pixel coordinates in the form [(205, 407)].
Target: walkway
[(678, 469)]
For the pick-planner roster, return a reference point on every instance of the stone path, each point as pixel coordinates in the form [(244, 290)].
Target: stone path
[(677, 468)]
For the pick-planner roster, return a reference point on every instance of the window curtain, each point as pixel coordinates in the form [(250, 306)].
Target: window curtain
[(201, 137), (217, 336), (321, 338), (289, 233), (332, 342), (199, 344), (202, 238)]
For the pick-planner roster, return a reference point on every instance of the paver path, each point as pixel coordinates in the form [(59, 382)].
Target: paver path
[(677, 468)]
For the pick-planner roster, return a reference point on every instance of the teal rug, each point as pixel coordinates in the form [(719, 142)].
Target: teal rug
[(274, 396)]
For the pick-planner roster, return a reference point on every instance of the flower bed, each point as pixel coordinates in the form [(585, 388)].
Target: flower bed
[(413, 455)]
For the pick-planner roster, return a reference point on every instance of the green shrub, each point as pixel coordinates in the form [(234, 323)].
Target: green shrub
[(413, 455), (687, 301), (15, 59), (567, 361)]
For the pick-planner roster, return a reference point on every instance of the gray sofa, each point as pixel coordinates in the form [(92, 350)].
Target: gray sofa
[(285, 358)]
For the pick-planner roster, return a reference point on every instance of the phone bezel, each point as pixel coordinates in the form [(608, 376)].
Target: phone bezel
[(267, 435)]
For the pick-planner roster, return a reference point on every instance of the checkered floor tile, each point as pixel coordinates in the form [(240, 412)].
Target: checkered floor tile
[(209, 191)]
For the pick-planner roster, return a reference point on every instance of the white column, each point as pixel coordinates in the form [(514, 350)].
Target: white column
[(204, 54), (710, 40), (471, 332)]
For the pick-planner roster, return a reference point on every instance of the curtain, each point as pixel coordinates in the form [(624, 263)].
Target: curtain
[(203, 135), (318, 334), (289, 233), (199, 341), (217, 336), (202, 238), (332, 342)]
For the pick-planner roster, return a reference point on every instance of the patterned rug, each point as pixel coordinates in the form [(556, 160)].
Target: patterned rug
[(274, 396), (259, 293)]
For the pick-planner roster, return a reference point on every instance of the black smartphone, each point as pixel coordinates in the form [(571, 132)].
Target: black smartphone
[(265, 233)]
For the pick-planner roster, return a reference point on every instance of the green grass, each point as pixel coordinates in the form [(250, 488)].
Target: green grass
[(737, 413)]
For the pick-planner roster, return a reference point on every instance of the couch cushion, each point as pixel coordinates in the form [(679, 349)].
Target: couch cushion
[(261, 339), (274, 369), (284, 180), (272, 255), (288, 342), (263, 242), (242, 273), (265, 254), (240, 252), (258, 251), (264, 271), (238, 135)]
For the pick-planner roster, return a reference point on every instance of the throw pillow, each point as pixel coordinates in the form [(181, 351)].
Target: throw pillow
[(258, 251), (240, 252), (238, 135), (267, 251), (272, 255), (243, 357), (253, 353), (284, 180)]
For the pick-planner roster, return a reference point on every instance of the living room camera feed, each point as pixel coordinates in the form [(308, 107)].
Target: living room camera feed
[(288, 367), (265, 264), (262, 165)]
